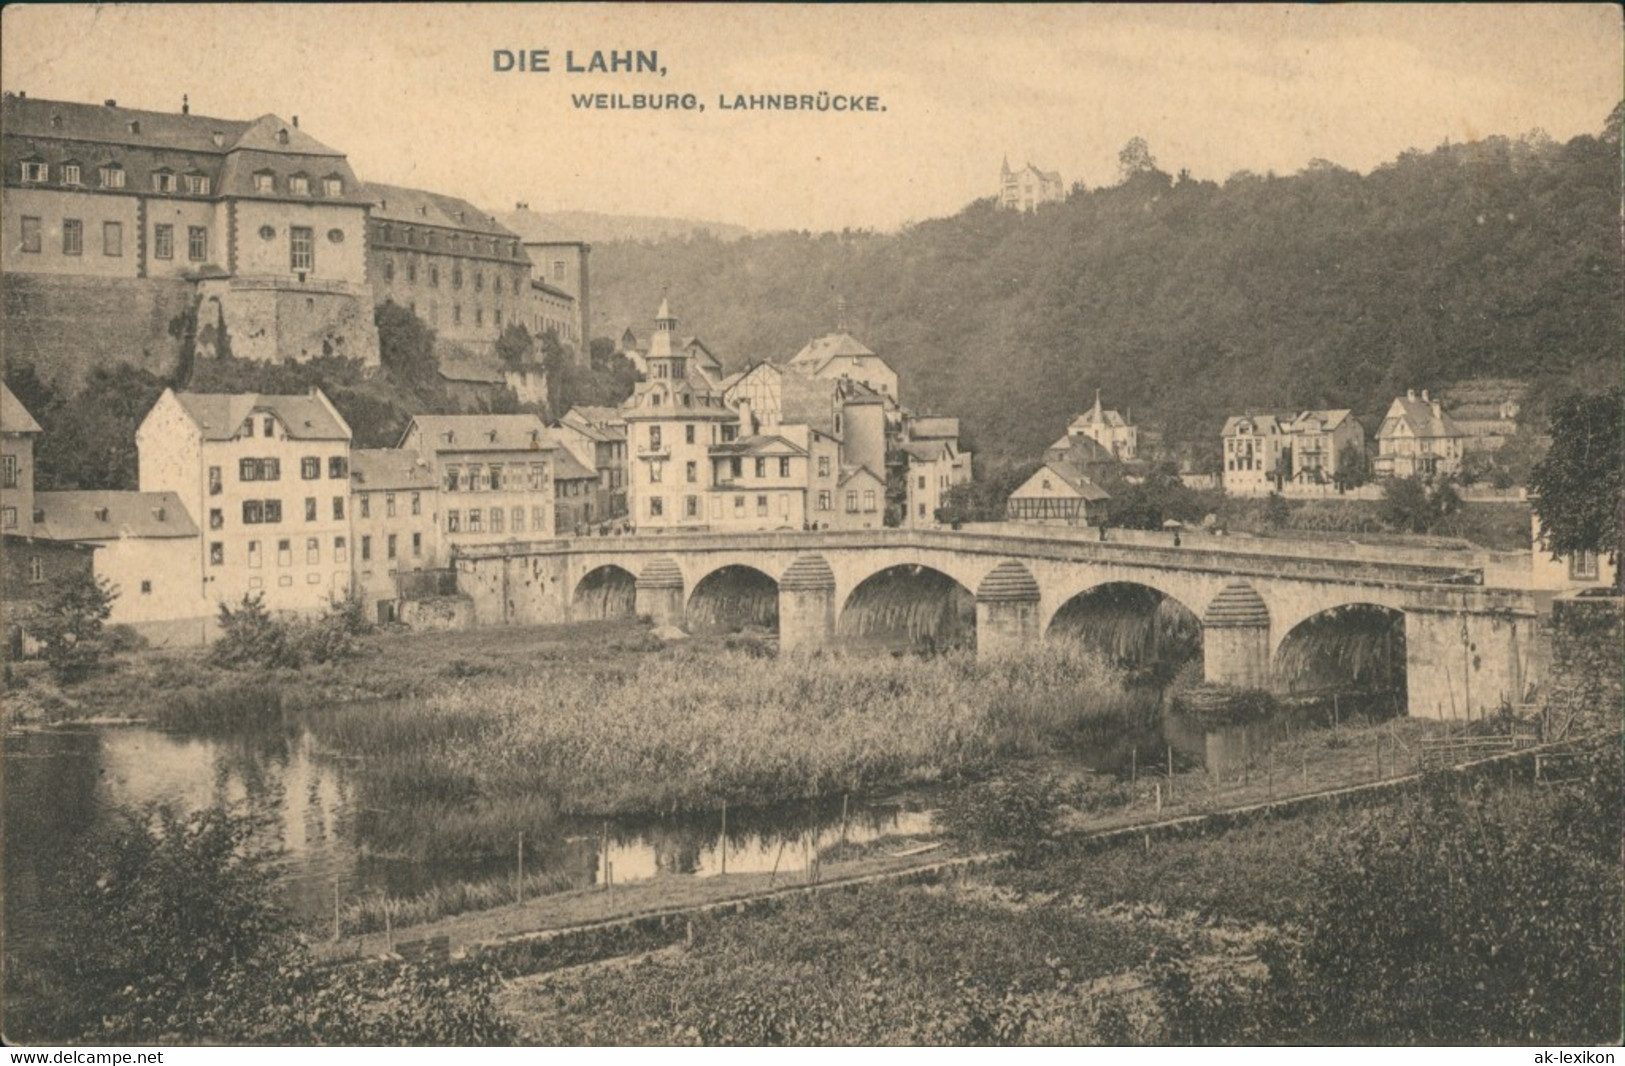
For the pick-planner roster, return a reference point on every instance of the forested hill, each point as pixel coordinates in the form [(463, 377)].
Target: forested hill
[(1186, 300)]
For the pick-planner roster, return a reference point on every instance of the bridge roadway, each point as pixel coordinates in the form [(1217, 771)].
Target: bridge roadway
[(1467, 646)]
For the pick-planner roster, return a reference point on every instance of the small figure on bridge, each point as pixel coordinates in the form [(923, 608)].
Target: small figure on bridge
[(1103, 532), (1176, 538)]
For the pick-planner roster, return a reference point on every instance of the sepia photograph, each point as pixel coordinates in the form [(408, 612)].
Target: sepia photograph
[(919, 525)]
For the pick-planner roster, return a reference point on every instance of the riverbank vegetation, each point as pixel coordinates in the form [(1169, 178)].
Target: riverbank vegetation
[(1460, 911)]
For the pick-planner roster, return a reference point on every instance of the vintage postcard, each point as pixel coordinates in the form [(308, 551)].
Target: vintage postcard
[(811, 524)]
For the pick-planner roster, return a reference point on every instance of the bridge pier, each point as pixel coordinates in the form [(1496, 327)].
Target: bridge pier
[(658, 593), (1236, 638), (1007, 610), (1465, 666), (806, 605)]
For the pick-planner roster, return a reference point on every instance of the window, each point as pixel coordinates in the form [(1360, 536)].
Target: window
[(434, 276), (389, 506), (497, 515), (313, 551), (301, 248), (784, 466), (691, 506), (73, 236), (417, 503), (412, 271), (36, 172), (338, 549), (1583, 566), (456, 314), (338, 466), (499, 316), (417, 545), (36, 569), (496, 477), (310, 467), (558, 270), (163, 181), (457, 275), (851, 502), (338, 508), (31, 234), (739, 507), (8, 471), (476, 520), (868, 499), (254, 559), (163, 241), (217, 553), (657, 507), (310, 508), (452, 522), (389, 270), (333, 186), (692, 469), (197, 243), (389, 547), (270, 427), (688, 434), (366, 547), (479, 281), (112, 177), (538, 518), (518, 519), (453, 477), (253, 512), (654, 437), (284, 553), (657, 471), (479, 316), (197, 184), (70, 173), (736, 466), (215, 487), (823, 500), (761, 467), (299, 185), (761, 507), (476, 477), (8, 518)]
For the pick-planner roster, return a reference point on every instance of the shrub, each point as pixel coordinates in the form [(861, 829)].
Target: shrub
[(1017, 810), (1214, 704), (251, 637), (69, 624)]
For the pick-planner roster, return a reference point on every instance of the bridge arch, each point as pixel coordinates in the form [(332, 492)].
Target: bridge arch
[(1133, 623), (731, 597), (605, 591), (908, 605), (1355, 650)]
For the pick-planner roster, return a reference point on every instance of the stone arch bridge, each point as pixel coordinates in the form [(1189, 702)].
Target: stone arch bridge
[(1467, 646)]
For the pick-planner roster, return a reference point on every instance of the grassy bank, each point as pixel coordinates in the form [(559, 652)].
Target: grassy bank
[(1459, 911), (462, 773)]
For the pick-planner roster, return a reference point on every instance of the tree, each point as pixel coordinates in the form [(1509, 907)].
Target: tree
[(1578, 490), (1135, 158), (515, 347), (1353, 466), (69, 625), (406, 348), (1405, 505)]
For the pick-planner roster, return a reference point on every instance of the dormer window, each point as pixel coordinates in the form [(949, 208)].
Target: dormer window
[(197, 184), (282, 136), (163, 181), (33, 171), (333, 186), (218, 138), (70, 174), (264, 181), (56, 122), (111, 176), (299, 185), (135, 125)]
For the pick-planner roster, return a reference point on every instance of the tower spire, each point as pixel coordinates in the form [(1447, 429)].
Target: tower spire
[(1097, 417)]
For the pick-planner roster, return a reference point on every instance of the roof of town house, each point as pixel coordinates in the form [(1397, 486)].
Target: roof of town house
[(1263, 421), (807, 401), (480, 433), (586, 429), (934, 427), (111, 515), (1076, 480), (389, 468), (850, 472), (929, 451), (459, 364), (760, 444), (596, 415), (1081, 450), (1328, 419), (551, 290), (818, 353), (14, 417), (700, 351), (566, 467), (398, 203), (229, 152), (221, 415), (1420, 417)]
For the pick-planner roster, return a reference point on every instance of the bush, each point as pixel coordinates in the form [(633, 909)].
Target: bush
[(1017, 810), (251, 637), (69, 625), (1214, 704)]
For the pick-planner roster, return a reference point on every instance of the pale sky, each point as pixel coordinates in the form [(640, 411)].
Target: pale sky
[(408, 92)]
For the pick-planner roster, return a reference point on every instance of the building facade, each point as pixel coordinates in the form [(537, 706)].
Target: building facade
[(561, 293), (933, 467), (394, 503), (449, 263), (1108, 429), (17, 432), (495, 476), (1058, 494), (265, 221), (596, 436), (1252, 454), (1317, 444), (1025, 189), (269, 477), (1417, 439)]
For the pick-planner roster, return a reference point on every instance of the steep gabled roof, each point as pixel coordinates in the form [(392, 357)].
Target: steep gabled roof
[(764, 444), (1075, 480), (482, 433), (220, 416), (111, 515), (818, 353), (1419, 416), (566, 467), (850, 472), (14, 417)]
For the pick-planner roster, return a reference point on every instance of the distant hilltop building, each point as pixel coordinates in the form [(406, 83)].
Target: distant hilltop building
[(1025, 189)]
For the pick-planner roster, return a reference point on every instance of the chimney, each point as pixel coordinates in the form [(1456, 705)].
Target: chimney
[(296, 122), (1425, 396), (1410, 394), (161, 514), (110, 103), (101, 514), (1438, 410), (186, 105)]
